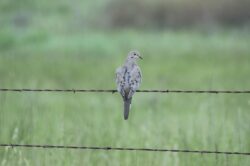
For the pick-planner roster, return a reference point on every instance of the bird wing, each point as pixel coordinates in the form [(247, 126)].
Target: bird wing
[(119, 78), (136, 78), (135, 81)]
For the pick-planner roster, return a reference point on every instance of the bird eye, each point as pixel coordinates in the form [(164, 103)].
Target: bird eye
[(134, 54)]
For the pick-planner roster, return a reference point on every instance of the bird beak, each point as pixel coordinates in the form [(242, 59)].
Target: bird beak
[(140, 57)]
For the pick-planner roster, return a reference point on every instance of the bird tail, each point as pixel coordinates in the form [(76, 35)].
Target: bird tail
[(127, 103)]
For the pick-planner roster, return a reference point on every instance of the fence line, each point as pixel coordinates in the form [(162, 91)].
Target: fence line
[(114, 91), (122, 149)]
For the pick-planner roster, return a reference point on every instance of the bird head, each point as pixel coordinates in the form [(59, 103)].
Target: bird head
[(133, 56)]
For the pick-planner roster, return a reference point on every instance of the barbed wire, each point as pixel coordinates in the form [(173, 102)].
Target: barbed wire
[(114, 91), (122, 149)]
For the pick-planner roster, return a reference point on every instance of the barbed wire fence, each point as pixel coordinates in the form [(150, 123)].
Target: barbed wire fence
[(122, 148), (114, 91)]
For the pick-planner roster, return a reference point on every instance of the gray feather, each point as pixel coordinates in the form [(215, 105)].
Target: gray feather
[(127, 103)]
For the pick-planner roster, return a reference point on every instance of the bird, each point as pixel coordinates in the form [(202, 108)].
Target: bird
[(128, 79)]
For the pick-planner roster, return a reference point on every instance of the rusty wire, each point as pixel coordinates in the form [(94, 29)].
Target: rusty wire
[(114, 91), (123, 149)]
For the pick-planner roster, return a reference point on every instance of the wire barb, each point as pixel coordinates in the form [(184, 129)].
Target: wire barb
[(122, 149), (114, 91)]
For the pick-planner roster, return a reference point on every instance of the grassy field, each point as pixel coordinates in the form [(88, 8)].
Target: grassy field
[(172, 60)]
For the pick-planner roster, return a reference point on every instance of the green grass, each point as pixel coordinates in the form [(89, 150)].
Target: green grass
[(172, 60)]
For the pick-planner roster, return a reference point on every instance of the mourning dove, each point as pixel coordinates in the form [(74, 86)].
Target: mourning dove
[(128, 79)]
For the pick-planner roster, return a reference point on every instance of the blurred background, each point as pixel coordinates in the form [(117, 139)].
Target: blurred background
[(186, 44)]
